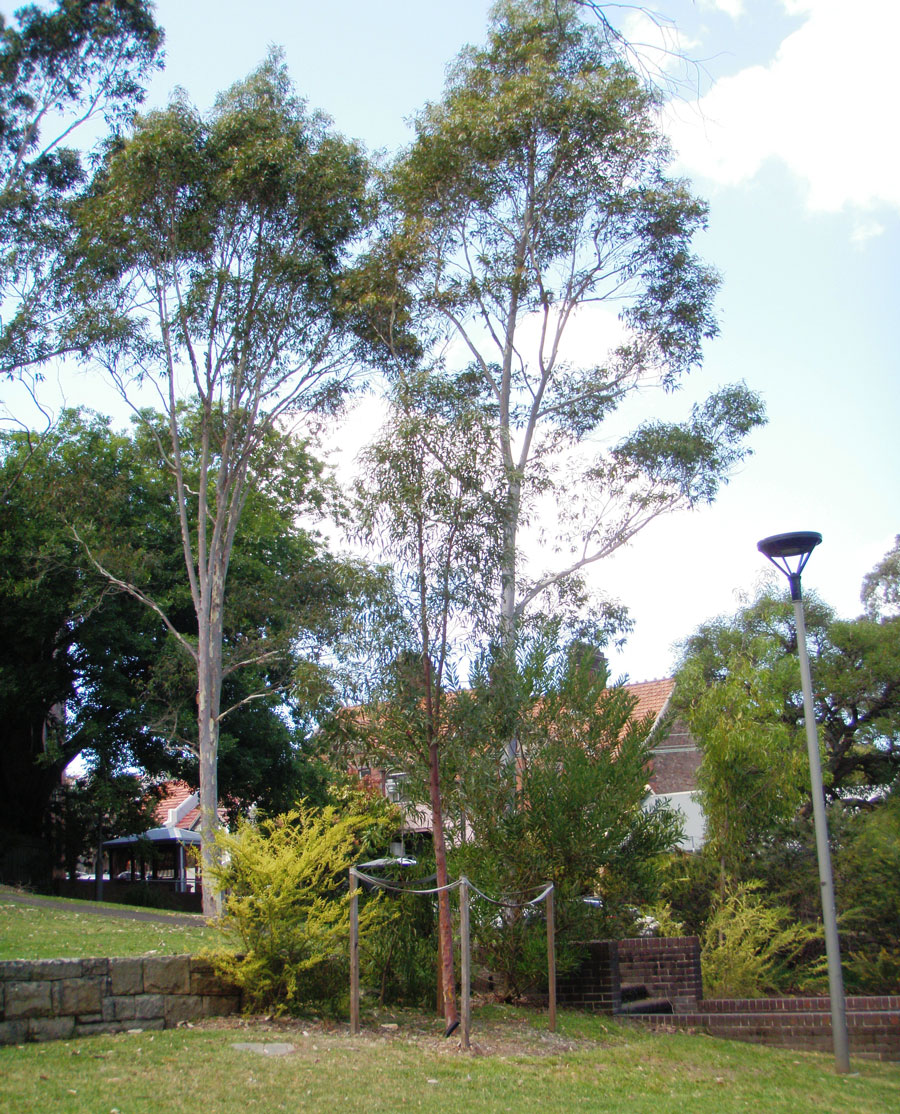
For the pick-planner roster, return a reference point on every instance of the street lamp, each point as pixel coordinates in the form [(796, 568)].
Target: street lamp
[(789, 553)]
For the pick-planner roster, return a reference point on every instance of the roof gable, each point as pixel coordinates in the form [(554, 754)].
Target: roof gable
[(652, 697)]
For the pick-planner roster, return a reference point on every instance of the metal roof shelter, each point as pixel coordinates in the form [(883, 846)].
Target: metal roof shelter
[(157, 855)]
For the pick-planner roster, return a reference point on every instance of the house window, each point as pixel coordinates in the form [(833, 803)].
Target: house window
[(395, 788)]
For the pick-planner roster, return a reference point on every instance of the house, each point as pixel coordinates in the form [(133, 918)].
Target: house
[(672, 774), (675, 758)]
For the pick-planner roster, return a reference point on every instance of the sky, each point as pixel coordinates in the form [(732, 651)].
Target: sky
[(785, 121)]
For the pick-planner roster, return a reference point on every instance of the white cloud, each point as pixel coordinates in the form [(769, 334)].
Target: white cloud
[(825, 106), (734, 8), (659, 47), (865, 230)]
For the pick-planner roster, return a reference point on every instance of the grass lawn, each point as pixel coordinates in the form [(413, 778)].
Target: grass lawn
[(591, 1065), (58, 931)]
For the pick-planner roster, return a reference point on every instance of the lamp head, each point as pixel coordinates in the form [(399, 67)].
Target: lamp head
[(789, 553)]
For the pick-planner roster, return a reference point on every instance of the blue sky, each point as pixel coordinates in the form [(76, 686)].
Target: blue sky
[(793, 143)]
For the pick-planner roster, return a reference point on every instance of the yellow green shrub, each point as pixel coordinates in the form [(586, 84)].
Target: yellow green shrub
[(287, 904)]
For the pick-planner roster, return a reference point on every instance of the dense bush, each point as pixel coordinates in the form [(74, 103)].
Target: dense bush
[(287, 902), (867, 878), (751, 948), (399, 954), (570, 810)]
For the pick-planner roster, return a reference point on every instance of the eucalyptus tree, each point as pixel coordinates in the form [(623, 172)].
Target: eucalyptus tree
[(426, 501), (535, 196), (59, 67), (211, 257)]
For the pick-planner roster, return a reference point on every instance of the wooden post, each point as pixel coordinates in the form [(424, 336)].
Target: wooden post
[(439, 989), (465, 960), (354, 953), (551, 957)]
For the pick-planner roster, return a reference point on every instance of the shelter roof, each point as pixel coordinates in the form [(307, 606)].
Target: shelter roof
[(156, 835), (175, 793)]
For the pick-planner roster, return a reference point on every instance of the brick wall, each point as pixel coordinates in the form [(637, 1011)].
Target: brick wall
[(55, 999), (873, 1023), (595, 985), (668, 968), (676, 760)]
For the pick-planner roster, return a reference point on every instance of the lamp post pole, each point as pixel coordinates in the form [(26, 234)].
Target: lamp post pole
[(779, 548)]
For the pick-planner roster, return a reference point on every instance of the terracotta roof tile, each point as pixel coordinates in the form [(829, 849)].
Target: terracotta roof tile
[(175, 792), (652, 696)]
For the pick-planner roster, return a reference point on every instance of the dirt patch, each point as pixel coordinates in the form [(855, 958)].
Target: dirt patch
[(499, 1037)]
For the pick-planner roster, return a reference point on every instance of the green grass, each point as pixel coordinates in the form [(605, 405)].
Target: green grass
[(591, 1065), (58, 931)]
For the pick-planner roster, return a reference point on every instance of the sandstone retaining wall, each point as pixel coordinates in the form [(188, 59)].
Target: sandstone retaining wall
[(55, 999)]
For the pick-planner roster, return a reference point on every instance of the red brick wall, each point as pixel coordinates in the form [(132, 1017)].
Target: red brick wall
[(675, 762), (873, 1023), (668, 968)]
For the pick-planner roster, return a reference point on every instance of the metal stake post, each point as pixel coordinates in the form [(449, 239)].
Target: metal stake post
[(551, 957), (354, 953), (465, 960)]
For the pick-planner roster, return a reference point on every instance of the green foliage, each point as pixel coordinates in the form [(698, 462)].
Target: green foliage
[(430, 500), (752, 948), (753, 770), (59, 65), (881, 587), (570, 811), (867, 882), (64, 637), (739, 689), (536, 187), (873, 973), (665, 922), (399, 957), (70, 638), (287, 903), (687, 887)]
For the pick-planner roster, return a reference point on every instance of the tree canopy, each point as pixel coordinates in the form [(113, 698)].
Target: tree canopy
[(536, 193), (88, 669), (58, 69), (210, 261), (739, 689)]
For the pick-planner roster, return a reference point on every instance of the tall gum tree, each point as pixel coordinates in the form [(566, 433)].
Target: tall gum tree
[(426, 502), (211, 257), (534, 192)]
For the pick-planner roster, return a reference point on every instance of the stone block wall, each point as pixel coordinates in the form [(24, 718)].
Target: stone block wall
[(55, 999)]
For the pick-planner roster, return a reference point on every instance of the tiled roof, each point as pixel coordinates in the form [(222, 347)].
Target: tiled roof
[(175, 792), (652, 696)]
